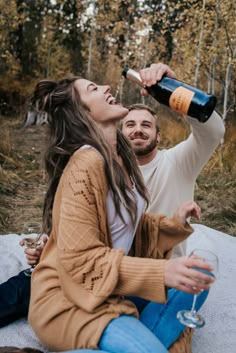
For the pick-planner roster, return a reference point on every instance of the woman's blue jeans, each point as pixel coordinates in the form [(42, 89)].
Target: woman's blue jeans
[(155, 330), (14, 298)]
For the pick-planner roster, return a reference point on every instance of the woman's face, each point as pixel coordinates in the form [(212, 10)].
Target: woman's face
[(101, 104)]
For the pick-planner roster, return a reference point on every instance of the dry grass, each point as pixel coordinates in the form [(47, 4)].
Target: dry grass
[(22, 179), (215, 193)]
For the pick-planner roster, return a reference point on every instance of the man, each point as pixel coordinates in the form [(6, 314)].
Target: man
[(170, 174)]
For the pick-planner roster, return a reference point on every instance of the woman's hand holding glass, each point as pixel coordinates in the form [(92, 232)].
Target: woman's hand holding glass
[(202, 267), (34, 241), (181, 273)]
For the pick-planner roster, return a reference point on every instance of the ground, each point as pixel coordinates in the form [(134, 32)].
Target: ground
[(23, 182), (22, 178)]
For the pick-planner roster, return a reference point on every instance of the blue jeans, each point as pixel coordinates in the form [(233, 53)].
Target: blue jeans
[(155, 330), (14, 298)]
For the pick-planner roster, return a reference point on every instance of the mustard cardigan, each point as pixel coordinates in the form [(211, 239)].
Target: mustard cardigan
[(80, 283)]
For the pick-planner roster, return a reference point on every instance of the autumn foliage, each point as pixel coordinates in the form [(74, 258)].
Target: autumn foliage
[(97, 38)]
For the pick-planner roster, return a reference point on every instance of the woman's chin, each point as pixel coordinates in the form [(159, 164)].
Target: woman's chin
[(119, 112), (125, 111)]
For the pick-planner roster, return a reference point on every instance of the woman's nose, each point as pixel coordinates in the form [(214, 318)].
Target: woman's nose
[(106, 88)]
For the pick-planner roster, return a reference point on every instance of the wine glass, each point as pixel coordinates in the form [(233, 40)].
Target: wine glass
[(192, 318), (31, 233)]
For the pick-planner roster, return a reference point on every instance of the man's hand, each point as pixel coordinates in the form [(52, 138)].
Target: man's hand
[(188, 209), (151, 75), (33, 255)]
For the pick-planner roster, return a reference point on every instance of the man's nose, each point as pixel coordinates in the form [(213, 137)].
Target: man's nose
[(138, 128)]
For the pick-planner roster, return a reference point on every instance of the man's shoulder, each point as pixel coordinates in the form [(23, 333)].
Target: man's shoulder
[(164, 153), (156, 161)]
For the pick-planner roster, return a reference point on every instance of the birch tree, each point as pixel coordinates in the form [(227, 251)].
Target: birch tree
[(199, 46), (231, 40), (212, 70)]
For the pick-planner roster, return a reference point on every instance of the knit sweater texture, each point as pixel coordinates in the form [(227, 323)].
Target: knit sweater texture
[(81, 281)]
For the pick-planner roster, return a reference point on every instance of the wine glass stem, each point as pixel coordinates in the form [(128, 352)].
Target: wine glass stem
[(193, 311)]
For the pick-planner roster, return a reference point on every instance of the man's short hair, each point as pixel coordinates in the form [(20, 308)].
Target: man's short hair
[(140, 106)]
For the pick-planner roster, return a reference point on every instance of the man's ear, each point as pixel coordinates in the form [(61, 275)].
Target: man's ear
[(158, 137)]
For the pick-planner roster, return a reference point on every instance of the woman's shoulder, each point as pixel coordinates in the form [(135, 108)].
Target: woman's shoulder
[(88, 160), (85, 167), (89, 155)]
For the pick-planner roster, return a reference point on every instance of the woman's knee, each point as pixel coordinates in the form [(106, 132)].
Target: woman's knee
[(128, 334)]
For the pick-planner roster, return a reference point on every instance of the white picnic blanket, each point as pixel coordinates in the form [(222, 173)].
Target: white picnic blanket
[(217, 336), (12, 261), (219, 333)]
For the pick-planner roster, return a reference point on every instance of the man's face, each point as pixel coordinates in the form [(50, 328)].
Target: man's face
[(139, 127)]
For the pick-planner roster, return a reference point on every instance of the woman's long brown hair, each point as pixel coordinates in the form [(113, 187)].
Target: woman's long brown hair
[(70, 127)]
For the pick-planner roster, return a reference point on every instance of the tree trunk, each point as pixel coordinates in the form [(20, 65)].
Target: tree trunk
[(90, 52), (199, 47), (211, 81)]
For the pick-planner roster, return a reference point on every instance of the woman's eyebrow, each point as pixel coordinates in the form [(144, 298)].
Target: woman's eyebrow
[(91, 84)]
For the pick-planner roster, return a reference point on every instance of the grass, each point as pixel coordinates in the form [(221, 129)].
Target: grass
[(22, 177), (216, 193), (22, 180)]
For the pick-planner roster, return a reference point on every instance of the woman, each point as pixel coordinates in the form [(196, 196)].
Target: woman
[(104, 268)]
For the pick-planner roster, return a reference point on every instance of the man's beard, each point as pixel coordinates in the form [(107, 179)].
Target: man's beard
[(143, 151)]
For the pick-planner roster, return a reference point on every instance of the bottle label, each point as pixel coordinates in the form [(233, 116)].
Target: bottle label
[(180, 100)]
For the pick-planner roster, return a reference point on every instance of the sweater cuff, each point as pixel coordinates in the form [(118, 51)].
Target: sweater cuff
[(186, 229), (142, 278)]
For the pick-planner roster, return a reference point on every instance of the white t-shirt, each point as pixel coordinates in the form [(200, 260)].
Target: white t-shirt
[(123, 232)]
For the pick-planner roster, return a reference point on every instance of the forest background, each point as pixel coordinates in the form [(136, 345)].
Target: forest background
[(96, 39)]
